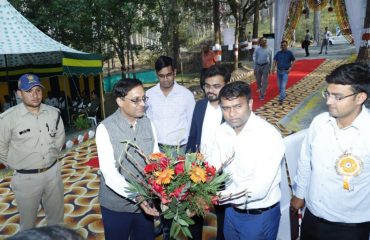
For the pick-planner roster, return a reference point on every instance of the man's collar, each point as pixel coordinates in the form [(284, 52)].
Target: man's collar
[(360, 121), (24, 110)]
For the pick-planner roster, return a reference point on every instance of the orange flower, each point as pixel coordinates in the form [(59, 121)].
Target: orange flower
[(197, 174), (165, 176), (156, 156)]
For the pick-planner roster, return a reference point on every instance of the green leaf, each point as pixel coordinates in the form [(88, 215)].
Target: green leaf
[(186, 232), (175, 229), (183, 222)]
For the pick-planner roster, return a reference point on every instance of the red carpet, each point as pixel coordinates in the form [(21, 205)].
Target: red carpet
[(93, 162), (300, 69)]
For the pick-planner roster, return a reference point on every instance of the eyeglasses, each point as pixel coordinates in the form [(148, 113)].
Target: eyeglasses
[(164, 76), (327, 95), (137, 100)]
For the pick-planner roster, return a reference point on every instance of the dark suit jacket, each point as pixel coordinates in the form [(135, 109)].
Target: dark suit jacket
[(195, 135)]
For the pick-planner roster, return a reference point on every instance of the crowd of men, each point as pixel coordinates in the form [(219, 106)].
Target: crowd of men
[(333, 171)]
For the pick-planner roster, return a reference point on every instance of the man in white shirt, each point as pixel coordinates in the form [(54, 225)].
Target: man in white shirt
[(207, 117), (170, 107), (325, 40), (125, 216), (333, 174), (256, 149)]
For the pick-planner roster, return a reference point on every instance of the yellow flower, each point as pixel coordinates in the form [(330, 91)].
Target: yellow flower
[(198, 174), (165, 176)]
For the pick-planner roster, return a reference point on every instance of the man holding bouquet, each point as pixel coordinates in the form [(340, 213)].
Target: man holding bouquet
[(125, 216), (207, 116), (256, 149)]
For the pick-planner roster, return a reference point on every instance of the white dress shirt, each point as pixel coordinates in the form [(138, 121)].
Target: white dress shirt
[(212, 120), (317, 180), (171, 114), (256, 166), (107, 162)]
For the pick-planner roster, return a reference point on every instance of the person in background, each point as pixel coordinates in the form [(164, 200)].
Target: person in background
[(283, 62), (207, 117), (32, 136), (208, 60), (306, 42), (333, 179), (125, 216), (93, 106), (262, 66), (170, 107), (256, 149), (325, 40)]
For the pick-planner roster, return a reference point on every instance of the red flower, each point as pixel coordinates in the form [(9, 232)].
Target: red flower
[(164, 162), (211, 170), (176, 193), (179, 168), (151, 167)]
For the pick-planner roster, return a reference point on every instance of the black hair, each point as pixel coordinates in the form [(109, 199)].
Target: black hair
[(234, 90), (284, 41), (47, 233), (162, 62), (215, 70), (123, 86), (355, 74)]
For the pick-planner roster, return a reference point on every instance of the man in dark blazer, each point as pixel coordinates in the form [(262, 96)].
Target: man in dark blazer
[(207, 116)]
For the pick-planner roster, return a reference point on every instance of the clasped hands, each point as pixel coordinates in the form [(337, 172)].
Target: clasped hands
[(152, 211)]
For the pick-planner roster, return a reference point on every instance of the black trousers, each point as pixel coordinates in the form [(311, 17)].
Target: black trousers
[(314, 228)]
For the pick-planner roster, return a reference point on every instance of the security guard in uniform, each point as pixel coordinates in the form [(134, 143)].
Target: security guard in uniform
[(32, 136)]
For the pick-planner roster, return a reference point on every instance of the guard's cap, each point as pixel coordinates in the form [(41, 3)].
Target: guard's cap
[(28, 81)]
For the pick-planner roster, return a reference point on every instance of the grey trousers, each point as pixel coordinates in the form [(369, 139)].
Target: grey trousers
[(32, 189), (262, 73)]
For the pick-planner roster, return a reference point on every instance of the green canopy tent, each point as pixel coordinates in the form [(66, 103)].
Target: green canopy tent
[(26, 49)]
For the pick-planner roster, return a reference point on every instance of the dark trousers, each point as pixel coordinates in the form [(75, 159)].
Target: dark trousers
[(220, 213), (306, 48), (124, 225), (314, 228)]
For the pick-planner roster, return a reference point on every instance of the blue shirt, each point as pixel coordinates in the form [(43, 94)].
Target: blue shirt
[(317, 180), (284, 59)]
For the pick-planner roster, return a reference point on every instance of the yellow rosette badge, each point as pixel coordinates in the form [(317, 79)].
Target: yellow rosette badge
[(348, 166)]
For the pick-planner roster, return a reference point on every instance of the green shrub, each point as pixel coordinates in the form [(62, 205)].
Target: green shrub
[(81, 122)]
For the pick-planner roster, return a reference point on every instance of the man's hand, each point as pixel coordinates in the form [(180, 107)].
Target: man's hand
[(146, 207), (296, 203)]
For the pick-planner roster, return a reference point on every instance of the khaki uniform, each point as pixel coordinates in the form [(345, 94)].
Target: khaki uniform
[(33, 141)]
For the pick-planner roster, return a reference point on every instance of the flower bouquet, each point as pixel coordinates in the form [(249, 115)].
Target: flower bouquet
[(186, 185)]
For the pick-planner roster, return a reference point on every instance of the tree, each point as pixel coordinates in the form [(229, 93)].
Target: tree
[(364, 51), (247, 9)]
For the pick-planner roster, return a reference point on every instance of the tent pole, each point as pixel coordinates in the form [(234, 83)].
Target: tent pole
[(66, 99), (102, 102)]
